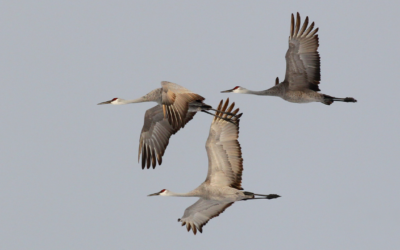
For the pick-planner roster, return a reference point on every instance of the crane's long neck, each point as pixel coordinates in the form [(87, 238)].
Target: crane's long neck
[(271, 92), (190, 194), (153, 96), (141, 99)]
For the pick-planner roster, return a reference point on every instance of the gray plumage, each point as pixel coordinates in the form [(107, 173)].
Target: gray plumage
[(302, 78), (222, 186)]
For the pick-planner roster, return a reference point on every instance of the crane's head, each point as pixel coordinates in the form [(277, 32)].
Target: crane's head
[(163, 192), (114, 101), (236, 89)]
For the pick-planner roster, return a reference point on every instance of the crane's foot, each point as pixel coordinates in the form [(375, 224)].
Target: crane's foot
[(272, 196), (349, 99), (268, 196)]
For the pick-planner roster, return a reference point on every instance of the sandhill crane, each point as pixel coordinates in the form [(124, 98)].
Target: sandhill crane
[(175, 107), (222, 186), (302, 70)]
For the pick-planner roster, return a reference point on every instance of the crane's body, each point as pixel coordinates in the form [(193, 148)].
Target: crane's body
[(222, 186), (176, 106), (303, 74)]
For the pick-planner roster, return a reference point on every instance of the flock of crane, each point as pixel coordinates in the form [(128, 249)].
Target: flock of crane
[(176, 106)]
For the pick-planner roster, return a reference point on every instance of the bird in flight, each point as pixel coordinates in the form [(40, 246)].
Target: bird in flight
[(176, 106), (303, 73), (223, 185)]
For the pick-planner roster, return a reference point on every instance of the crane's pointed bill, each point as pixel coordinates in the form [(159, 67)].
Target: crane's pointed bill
[(158, 193), (230, 90), (107, 102), (227, 91)]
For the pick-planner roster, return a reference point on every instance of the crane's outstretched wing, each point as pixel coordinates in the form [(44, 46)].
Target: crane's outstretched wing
[(175, 100), (155, 135), (225, 162), (198, 214), (302, 58)]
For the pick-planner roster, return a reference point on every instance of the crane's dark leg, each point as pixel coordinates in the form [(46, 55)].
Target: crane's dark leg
[(265, 196), (347, 99), (269, 196), (223, 112), (328, 100), (226, 119), (199, 106)]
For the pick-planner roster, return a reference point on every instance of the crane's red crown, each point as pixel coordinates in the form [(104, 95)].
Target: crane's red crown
[(236, 87), (114, 99)]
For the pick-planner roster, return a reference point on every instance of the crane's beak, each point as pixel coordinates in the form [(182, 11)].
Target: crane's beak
[(227, 91), (155, 194), (107, 102)]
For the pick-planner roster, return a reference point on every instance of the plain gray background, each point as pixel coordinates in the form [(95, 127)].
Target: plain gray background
[(69, 176)]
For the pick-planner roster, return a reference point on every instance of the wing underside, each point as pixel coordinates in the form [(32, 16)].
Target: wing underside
[(225, 162), (155, 136), (197, 215)]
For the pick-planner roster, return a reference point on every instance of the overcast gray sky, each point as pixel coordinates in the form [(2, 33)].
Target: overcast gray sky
[(69, 177)]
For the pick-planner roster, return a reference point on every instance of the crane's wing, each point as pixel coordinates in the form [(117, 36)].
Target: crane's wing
[(302, 58), (175, 100), (198, 214), (155, 135), (225, 162)]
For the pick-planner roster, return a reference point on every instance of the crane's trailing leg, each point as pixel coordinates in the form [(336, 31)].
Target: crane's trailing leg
[(226, 113), (226, 119), (328, 100), (268, 196), (199, 106), (264, 196)]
